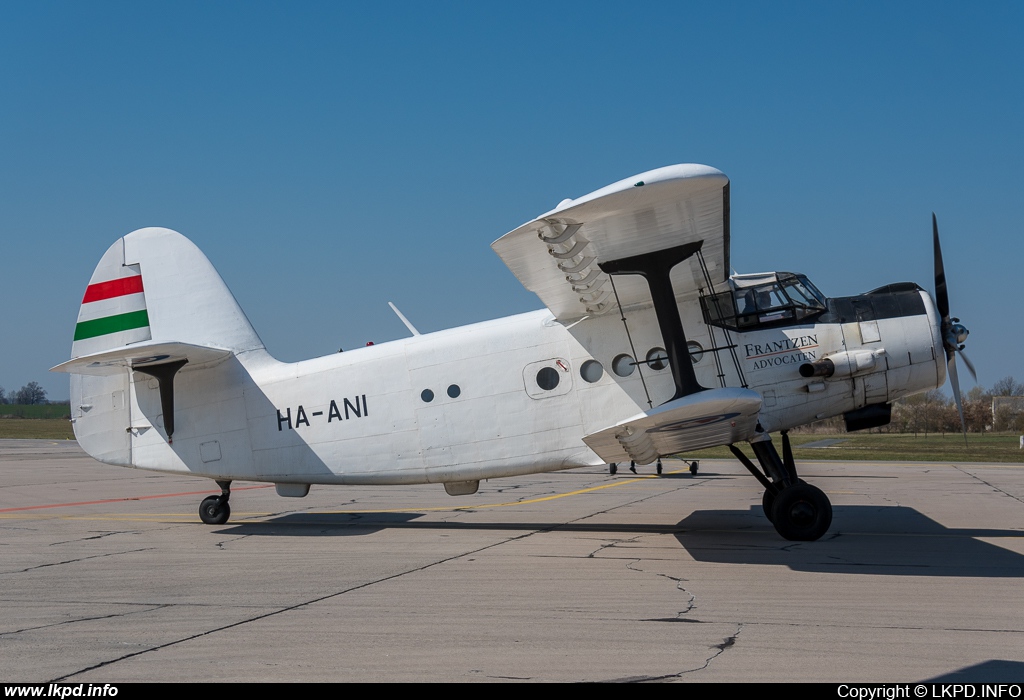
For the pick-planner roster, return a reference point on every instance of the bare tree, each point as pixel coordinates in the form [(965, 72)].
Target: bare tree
[(1008, 386), (29, 394), (3, 396)]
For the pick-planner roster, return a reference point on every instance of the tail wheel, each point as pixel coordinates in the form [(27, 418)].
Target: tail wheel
[(213, 511), (801, 512)]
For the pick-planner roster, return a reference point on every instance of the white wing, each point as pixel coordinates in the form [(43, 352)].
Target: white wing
[(556, 255), (705, 419)]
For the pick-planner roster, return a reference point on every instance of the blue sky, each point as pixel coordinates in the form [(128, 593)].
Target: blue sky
[(331, 157)]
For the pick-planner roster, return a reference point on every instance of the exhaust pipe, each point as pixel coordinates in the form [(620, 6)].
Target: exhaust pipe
[(841, 364)]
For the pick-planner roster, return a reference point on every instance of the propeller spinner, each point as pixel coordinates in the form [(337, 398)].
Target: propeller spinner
[(954, 333)]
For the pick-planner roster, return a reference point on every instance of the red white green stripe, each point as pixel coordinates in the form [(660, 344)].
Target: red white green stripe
[(112, 306)]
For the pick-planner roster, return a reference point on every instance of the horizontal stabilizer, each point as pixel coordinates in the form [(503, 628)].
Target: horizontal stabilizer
[(705, 419), (144, 354)]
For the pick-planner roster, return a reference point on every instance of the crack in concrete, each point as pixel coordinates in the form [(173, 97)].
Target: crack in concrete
[(989, 484), (87, 619), (691, 602), (361, 586), (296, 606), (720, 648), (511, 678), (72, 561), (97, 537), (221, 543), (612, 544)]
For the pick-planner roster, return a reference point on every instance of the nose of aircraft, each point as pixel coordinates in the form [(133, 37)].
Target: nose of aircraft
[(953, 333)]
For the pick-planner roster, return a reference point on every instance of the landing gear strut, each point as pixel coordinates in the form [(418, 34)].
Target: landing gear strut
[(214, 510), (798, 510)]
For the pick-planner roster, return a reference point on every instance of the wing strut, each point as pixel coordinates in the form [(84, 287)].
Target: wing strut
[(629, 337), (655, 267), (729, 345)]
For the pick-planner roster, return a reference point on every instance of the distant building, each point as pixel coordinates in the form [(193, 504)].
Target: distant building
[(1009, 404)]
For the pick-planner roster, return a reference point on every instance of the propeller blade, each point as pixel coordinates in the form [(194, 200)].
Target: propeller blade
[(941, 295), (954, 382), (970, 365)]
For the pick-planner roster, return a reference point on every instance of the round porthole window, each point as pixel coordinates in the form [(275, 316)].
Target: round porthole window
[(547, 378), (696, 351), (591, 371), (657, 359), (427, 395), (454, 391), (623, 365)]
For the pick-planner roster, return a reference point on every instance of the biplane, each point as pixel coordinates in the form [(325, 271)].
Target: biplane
[(646, 347)]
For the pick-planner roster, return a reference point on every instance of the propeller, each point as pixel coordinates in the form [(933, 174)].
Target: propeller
[(954, 333)]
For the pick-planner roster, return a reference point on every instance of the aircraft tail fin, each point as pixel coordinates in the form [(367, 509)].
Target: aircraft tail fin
[(154, 306), (155, 286)]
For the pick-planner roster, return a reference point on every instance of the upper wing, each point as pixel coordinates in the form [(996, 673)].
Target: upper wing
[(556, 255), (705, 419)]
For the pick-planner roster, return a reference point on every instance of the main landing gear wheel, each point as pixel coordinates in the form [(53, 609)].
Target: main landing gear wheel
[(768, 504), (214, 512), (613, 468), (801, 512), (694, 466), (659, 465)]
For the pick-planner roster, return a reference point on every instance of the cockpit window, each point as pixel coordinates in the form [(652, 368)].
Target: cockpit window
[(763, 301)]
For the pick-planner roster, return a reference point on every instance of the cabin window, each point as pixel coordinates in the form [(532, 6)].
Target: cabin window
[(427, 395), (657, 358), (591, 371), (623, 365), (547, 378), (696, 351), (454, 391)]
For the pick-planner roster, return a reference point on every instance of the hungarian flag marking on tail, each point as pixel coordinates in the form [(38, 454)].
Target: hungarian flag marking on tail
[(114, 306)]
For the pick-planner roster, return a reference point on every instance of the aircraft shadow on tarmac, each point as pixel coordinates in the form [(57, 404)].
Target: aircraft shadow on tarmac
[(887, 540), (992, 671)]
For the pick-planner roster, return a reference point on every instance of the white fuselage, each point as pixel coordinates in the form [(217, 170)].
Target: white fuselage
[(363, 417)]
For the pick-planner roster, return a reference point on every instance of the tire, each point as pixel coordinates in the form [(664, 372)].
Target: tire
[(213, 512), (802, 513), (768, 504), (613, 468)]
